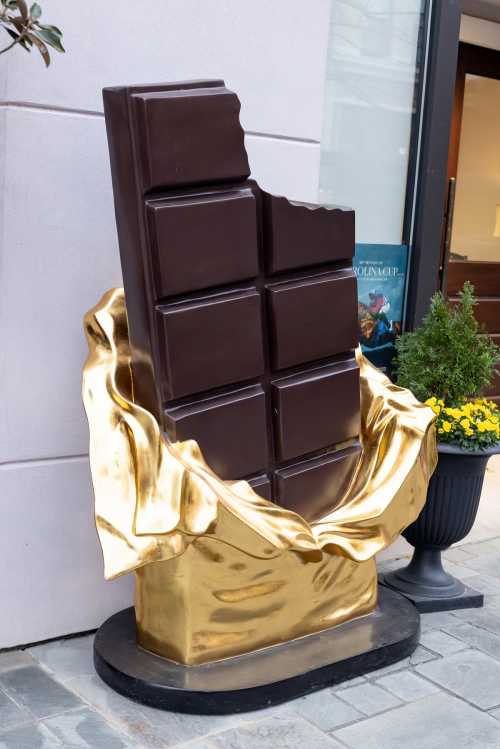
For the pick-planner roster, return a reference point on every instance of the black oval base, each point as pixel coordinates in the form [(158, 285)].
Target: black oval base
[(262, 678)]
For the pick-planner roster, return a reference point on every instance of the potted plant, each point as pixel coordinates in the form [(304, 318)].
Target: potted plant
[(447, 363)]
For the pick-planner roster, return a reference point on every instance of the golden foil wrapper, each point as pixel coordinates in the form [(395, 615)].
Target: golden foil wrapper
[(219, 570)]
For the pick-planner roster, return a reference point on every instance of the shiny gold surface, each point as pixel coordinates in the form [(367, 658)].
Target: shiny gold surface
[(219, 570), (215, 601)]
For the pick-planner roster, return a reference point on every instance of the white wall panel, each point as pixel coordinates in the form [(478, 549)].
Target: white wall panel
[(52, 570), (58, 254), (271, 53)]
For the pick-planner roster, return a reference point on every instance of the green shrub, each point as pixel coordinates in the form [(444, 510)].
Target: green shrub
[(449, 356)]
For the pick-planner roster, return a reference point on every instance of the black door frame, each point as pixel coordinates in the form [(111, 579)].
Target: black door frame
[(431, 177)]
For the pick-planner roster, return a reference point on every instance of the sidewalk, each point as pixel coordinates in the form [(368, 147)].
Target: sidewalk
[(446, 696)]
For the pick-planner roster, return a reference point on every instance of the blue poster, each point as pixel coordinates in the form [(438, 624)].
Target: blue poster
[(381, 274)]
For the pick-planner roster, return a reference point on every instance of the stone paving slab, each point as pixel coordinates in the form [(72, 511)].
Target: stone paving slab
[(290, 734), (436, 620), (407, 686), (485, 618), (35, 690), (369, 698), (67, 658), (33, 736), (475, 637), (85, 729), (482, 548), (488, 563), (461, 570), (485, 584), (459, 555), (469, 674), (441, 642), (156, 729), (12, 715), (349, 683), (435, 722), (15, 659), (326, 711)]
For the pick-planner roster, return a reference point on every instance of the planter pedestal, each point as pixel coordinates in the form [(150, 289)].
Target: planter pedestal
[(447, 517), (427, 584)]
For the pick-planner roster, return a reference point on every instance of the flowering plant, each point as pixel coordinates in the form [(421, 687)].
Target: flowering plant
[(472, 425), (448, 363)]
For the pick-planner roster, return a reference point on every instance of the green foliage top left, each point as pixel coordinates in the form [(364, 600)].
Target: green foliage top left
[(23, 26)]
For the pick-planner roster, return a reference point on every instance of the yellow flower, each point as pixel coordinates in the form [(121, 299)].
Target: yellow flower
[(476, 418), (431, 401)]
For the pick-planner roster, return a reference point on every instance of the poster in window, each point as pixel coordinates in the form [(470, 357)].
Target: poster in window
[(381, 274)]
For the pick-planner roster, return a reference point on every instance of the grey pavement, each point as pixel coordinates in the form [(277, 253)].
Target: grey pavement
[(445, 696)]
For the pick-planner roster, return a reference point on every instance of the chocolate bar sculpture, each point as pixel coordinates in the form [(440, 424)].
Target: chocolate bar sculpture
[(247, 462), (242, 306)]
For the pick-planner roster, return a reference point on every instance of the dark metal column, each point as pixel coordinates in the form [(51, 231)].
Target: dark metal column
[(432, 172)]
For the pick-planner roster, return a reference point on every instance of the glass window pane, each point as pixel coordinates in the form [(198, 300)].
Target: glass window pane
[(369, 105)]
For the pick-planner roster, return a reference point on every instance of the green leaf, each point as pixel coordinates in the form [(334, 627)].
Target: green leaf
[(35, 11), (50, 38), (51, 28), (42, 48)]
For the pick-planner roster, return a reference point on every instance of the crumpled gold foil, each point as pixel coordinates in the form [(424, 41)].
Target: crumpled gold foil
[(156, 501)]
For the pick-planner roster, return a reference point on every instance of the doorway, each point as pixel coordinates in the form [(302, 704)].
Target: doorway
[(471, 242)]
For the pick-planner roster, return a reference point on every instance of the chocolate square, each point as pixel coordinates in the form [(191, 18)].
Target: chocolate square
[(312, 317), (302, 234), (309, 487), (211, 341), (215, 423), (185, 259), (188, 137), (304, 421)]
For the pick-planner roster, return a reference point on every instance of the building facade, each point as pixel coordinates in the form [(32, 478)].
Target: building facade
[(333, 98)]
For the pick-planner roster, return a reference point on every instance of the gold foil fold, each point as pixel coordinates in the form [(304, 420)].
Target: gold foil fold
[(220, 570)]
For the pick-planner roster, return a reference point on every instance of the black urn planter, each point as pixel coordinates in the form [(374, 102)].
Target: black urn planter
[(447, 517)]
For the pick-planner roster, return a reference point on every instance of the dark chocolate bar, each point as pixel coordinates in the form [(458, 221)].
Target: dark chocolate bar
[(242, 306)]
